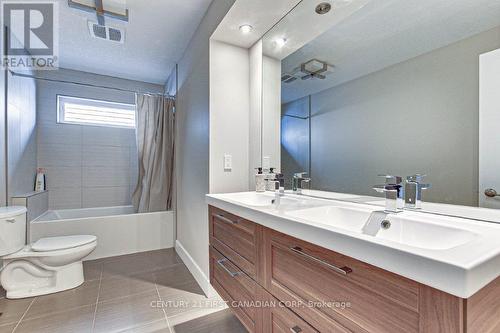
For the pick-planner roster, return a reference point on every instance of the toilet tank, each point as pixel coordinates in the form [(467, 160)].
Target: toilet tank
[(12, 229)]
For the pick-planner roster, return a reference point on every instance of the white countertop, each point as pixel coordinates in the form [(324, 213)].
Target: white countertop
[(460, 270)]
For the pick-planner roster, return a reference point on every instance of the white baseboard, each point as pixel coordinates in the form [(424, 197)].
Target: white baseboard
[(197, 272)]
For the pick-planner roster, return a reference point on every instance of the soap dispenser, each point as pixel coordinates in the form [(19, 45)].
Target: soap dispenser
[(270, 186), (260, 180)]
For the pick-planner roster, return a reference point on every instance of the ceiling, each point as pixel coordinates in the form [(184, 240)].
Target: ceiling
[(386, 32), (302, 25), (156, 36), (260, 14)]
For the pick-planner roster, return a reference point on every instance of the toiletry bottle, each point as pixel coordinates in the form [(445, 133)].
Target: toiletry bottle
[(260, 181), (40, 180), (270, 186)]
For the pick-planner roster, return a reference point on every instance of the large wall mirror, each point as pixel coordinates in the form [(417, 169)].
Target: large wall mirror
[(358, 88)]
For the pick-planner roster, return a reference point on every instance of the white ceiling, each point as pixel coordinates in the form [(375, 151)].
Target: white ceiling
[(156, 36), (260, 14), (387, 32), (303, 25)]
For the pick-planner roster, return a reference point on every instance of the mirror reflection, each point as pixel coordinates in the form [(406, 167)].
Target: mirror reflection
[(367, 90)]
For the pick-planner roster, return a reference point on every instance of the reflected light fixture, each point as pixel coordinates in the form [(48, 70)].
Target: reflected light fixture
[(280, 42), (246, 28)]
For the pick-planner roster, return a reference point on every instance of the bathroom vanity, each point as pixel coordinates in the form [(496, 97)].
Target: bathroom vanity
[(316, 265)]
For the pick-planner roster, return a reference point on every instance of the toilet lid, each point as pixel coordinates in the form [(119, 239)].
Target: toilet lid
[(61, 243)]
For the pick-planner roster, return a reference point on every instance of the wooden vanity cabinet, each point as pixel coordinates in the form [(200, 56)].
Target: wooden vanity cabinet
[(323, 291), (237, 239)]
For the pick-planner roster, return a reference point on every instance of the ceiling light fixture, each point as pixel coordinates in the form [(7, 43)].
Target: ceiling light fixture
[(246, 28), (280, 42), (323, 8)]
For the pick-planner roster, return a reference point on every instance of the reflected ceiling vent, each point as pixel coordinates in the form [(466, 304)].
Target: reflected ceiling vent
[(112, 34), (312, 69)]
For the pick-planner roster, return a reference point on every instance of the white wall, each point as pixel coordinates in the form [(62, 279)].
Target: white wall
[(229, 117), (192, 142), (419, 116), (255, 117), (87, 166), (21, 132), (3, 162)]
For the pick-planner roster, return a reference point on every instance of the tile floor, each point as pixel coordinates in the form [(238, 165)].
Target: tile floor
[(142, 292)]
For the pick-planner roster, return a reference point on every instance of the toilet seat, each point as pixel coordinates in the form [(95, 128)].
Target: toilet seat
[(61, 243)]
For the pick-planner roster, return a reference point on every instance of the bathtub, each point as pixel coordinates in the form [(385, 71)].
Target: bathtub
[(119, 230)]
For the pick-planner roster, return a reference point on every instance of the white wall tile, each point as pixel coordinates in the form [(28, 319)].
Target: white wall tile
[(59, 134), (59, 155), (105, 176), (108, 136), (106, 156), (68, 197), (106, 196), (61, 177)]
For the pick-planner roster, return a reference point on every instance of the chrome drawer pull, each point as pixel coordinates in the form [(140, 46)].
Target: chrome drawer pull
[(221, 264), (225, 219), (295, 329), (11, 220), (341, 270)]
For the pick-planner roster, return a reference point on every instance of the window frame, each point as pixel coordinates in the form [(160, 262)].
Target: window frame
[(96, 102)]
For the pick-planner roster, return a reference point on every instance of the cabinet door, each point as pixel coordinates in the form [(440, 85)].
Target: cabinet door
[(237, 289), (278, 319), (329, 289), (236, 238)]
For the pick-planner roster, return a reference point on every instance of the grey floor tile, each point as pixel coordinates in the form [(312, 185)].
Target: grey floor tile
[(128, 301), (77, 320), (159, 326), (86, 294), (92, 270), (124, 286), (188, 297), (128, 313), (174, 276), (11, 310), (218, 322), (7, 328), (139, 262)]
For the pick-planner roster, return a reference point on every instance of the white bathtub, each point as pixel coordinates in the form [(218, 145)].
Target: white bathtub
[(118, 229)]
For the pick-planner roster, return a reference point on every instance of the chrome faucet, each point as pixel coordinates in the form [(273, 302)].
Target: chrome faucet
[(278, 192), (413, 191), (297, 182), (393, 190)]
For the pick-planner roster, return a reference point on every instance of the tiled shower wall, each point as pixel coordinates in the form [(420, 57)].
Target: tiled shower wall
[(87, 166)]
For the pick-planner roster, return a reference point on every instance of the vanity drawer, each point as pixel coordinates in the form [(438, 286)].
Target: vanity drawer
[(278, 319), (236, 238), (237, 289), (366, 299)]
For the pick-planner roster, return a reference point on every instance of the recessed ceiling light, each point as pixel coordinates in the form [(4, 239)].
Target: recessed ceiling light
[(323, 8), (280, 42), (246, 28)]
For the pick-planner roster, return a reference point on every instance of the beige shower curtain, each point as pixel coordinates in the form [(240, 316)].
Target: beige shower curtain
[(155, 145)]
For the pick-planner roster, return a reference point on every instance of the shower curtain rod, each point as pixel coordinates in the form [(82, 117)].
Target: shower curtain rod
[(88, 84)]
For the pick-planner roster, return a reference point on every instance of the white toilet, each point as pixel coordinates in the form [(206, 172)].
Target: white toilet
[(47, 266)]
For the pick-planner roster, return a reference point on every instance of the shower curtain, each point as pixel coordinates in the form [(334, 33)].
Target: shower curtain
[(155, 145)]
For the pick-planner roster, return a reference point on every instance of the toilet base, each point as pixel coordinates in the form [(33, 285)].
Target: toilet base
[(22, 278)]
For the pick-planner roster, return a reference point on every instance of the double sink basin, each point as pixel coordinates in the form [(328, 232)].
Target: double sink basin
[(419, 230), (456, 255)]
